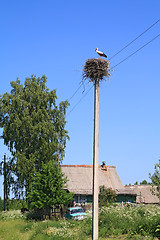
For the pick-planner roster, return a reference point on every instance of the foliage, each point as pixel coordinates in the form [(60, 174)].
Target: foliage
[(14, 204), (14, 214), (17, 204), (131, 219), (144, 182), (106, 195), (136, 183), (136, 222), (6, 170), (31, 230), (48, 188), (155, 178), (33, 128), (141, 183), (1, 204)]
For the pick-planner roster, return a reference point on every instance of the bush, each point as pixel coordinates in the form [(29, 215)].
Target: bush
[(13, 204), (134, 220), (106, 196), (129, 222), (14, 214), (17, 204)]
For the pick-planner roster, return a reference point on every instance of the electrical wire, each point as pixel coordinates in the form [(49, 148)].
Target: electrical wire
[(79, 100), (134, 39), (136, 51), (117, 63), (75, 92), (111, 68)]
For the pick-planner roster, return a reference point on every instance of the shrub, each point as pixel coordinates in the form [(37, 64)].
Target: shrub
[(134, 220), (106, 196), (14, 214)]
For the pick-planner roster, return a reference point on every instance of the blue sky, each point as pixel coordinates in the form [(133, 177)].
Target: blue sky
[(55, 38)]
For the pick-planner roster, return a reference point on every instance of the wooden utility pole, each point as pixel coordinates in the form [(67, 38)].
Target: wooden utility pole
[(95, 162), (96, 69)]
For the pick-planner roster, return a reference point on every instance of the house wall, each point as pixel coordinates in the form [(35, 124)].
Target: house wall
[(119, 198), (89, 199), (126, 198), (83, 198), (80, 199), (144, 194)]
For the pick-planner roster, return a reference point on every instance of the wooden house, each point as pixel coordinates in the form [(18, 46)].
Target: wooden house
[(80, 182)]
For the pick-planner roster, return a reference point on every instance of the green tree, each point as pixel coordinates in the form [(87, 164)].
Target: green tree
[(106, 195), (33, 128), (136, 183), (48, 188), (155, 178), (144, 182)]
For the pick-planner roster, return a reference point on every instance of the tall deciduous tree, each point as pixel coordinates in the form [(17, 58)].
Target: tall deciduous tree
[(155, 178), (33, 128)]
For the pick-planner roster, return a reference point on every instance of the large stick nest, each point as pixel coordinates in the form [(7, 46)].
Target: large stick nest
[(96, 69)]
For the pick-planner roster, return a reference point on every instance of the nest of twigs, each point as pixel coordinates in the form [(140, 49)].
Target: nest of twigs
[(96, 69)]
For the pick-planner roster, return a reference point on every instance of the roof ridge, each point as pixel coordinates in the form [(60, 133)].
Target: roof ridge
[(84, 165)]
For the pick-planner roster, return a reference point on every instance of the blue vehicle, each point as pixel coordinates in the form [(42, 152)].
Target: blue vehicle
[(75, 213)]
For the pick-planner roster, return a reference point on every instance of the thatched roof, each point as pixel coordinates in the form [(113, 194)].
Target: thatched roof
[(81, 179), (144, 193)]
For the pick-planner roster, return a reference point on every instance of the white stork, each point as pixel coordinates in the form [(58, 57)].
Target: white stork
[(101, 54)]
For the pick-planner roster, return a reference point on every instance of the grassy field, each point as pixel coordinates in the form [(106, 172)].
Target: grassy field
[(115, 222)]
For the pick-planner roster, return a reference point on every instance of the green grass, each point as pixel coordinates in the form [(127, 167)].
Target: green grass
[(115, 222), (11, 229)]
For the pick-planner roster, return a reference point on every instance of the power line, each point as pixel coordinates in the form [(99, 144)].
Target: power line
[(136, 51), (81, 83), (75, 92), (117, 63), (111, 68), (134, 39), (80, 100)]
